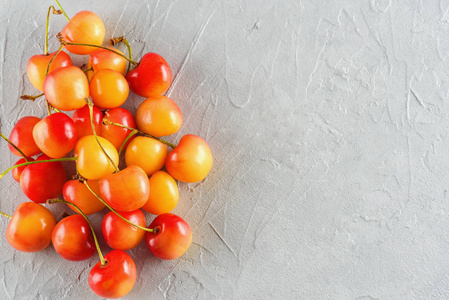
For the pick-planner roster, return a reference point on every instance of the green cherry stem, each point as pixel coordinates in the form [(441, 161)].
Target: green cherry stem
[(117, 40), (31, 97), (52, 201), (60, 7), (114, 211), (15, 147), (51, 60), (5, 215), (91, 113), (56, 12), (126, 140), (37, 162)]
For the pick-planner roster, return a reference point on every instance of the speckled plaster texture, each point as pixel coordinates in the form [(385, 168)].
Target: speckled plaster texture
[(328, 124)]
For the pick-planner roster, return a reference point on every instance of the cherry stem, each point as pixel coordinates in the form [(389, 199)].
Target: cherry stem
[(15, 147), (52, 201), (31, 97), (87, 70), (91, 113), (50, 107), (60, 7), (126, 140), (117, 40), (5, 215), (37, 162), (114, 211), (56, 12), (107, 122)]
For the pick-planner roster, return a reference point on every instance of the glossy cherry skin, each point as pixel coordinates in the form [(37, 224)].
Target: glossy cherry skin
[(152, 77), (43, 181), (67, 88), (85, 27), (77, 193), (115, 134), (22, 136), (102, 59), (92, 163), (81, 118), (116, 278), (121, 235), (126, 190), (159, 116), (172, 236), (30, 227), (73, 239), (18, 171), (191, 160), (147, 153), (55, 135), (108, 89), (164, 194), (37, 67)]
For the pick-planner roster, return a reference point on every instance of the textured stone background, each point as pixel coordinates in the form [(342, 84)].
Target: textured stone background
[(328, 124)]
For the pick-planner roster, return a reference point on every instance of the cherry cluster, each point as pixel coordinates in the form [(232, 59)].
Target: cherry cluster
[(97, 133)]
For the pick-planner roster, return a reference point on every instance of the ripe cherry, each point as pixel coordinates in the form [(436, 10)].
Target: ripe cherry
[(152, 77), (81, 117), (18, 171), (30, 227), (102, 59), (172, 236), (191, 160), (76, 192), (164, 194), (147, 153), (116, 278), (115, 134), (85, 27), (121, 235), (72, 238), (108, 89), (22, 136), (159, 116), (55, 135)]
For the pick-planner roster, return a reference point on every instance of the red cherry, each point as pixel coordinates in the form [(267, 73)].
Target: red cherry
[(43, 181), (121, 235), (22, 136), (81, 118), (18, 171), (116, 278), (152, 77), (73, 239), (55, 135), (172, 236), (115, 134), (77, 193)]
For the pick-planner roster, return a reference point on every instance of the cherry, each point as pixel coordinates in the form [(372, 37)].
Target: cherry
[(126, 190), (73, 239), (30, 227), (116, 277), (18, 171), (76, 192), (121, 235), (42, 181), (159, 116), (115, 134), (191, 160), (66, 88), (37, 67), (102, 59), (152, 76), (164, 194), (81, 117), (147, 153), (55, 135), (172, 236), (84, 27), (22, 136), (108, 89)]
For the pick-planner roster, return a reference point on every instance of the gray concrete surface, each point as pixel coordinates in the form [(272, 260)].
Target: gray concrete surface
[(328, 124)]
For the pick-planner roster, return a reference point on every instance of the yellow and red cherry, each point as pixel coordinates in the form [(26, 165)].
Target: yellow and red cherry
[(81, 117), (22, 136), (152, 77), (159, 116), (73, 239), (116, 278), (164, 194), (147, 153), (108, 89), (85, 27), (37, 67), (91, 161), (102, 59), (121, 235), (115, 134), (171, 236), (18, 171), (30, 227), (55, 135), (43, 181), (77, 193), (191, 160), (126, 190), (67, 88)]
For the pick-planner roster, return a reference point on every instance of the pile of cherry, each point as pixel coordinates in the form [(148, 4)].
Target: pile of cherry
[(97, 133)]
